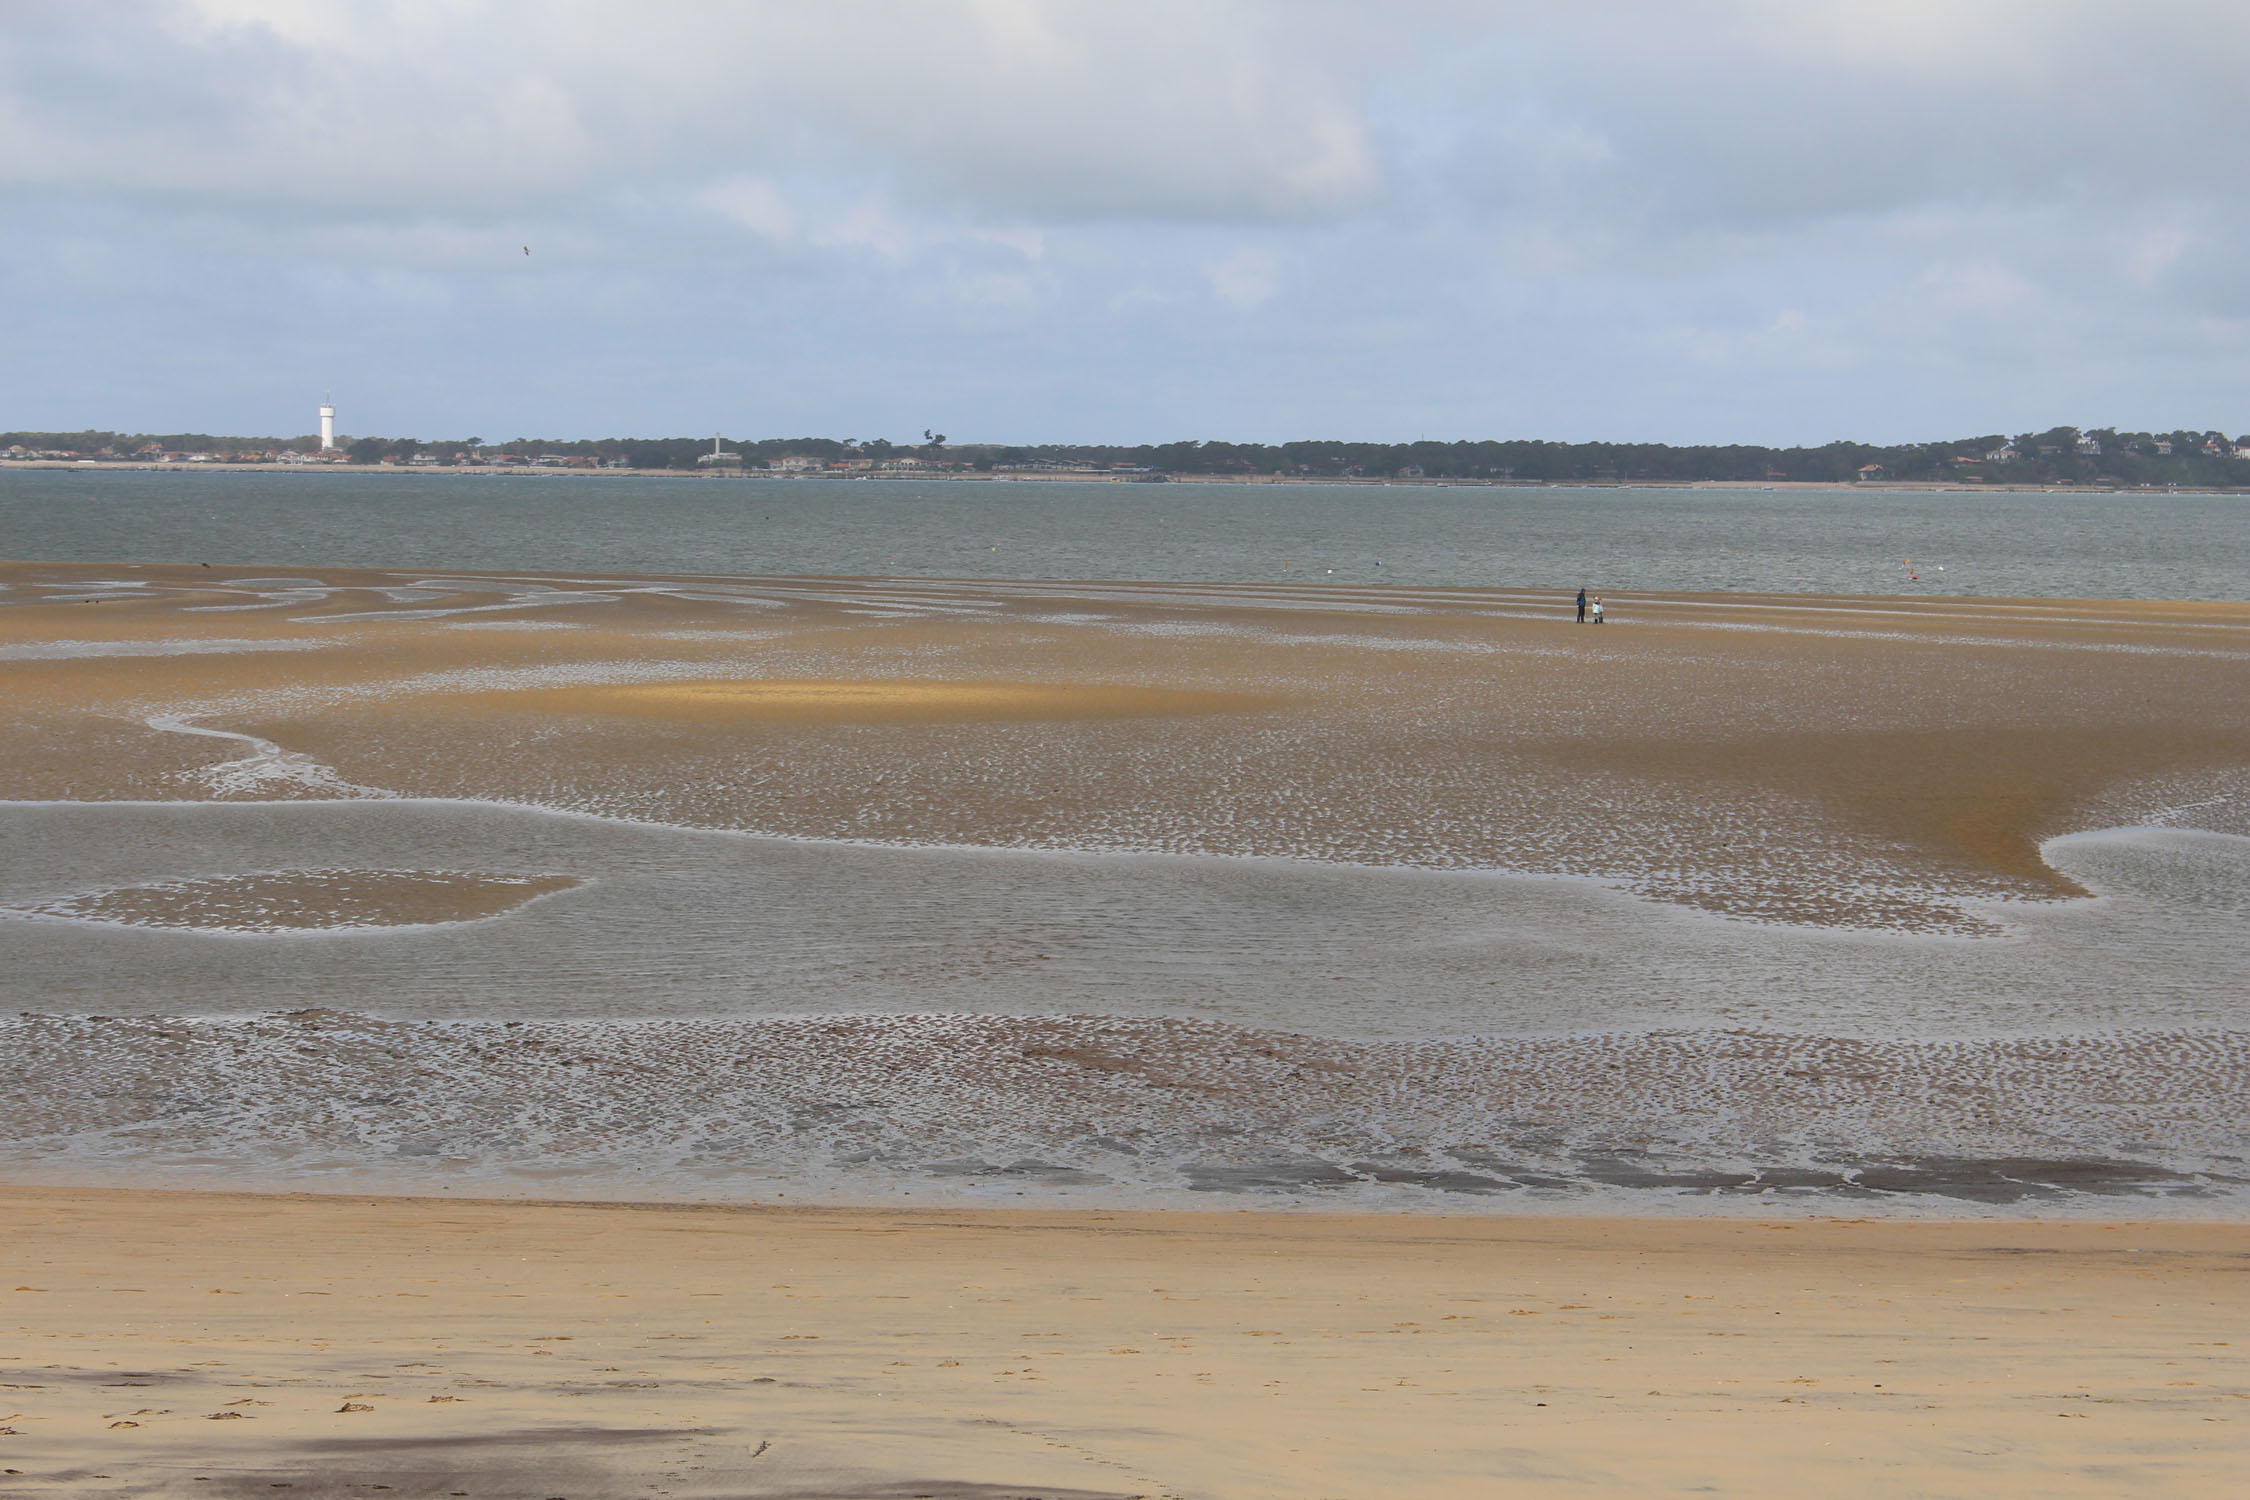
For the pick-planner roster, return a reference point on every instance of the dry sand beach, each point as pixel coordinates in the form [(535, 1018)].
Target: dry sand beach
[(213, 1345), (1011, 912)]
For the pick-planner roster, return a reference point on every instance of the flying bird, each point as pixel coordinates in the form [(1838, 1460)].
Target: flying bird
[(527, 249)]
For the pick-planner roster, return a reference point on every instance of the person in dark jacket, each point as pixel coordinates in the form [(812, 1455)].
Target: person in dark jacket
[(1581, 606)]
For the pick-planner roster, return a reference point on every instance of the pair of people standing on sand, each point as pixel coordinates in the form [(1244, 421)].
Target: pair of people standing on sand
[(1582, 608)]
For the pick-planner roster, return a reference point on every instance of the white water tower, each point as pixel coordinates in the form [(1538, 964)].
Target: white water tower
[(327, 426)]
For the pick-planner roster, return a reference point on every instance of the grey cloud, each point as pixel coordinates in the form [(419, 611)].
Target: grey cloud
[(1010, 106), (1754, 118)]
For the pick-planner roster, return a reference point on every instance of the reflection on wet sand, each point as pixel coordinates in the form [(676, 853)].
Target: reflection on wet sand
[(734, 704), (302, 900)]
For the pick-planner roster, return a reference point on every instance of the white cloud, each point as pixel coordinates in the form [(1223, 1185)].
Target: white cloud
[(1247, 278), (755, 204), (869, 225), (1031, 244), (1973, 289), (2152, 250)]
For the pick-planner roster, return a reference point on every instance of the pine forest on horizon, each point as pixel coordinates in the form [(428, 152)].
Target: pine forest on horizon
[(2061, 455)]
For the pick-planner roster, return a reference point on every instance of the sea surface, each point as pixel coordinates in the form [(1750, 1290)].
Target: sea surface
[(2000, 544)]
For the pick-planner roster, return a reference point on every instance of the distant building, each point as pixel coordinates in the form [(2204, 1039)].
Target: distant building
[(2090, 446), (1873, 471), (2004, 454), (2164, 447)]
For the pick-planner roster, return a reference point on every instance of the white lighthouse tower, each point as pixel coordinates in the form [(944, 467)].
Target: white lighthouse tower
[(327, 426)]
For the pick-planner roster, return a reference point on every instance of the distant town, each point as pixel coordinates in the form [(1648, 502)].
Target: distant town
[(2095, 458)]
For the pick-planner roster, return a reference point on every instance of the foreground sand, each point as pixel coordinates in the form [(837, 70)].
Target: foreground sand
[(213, 1345)]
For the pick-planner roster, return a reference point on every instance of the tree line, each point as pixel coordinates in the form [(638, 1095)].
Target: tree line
[(2060, 455)]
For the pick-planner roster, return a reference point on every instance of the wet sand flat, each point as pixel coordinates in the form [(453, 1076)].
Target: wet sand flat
[(733, 704), (1868, 763), (1069, 1111), (1272, 870), (163, 1344)]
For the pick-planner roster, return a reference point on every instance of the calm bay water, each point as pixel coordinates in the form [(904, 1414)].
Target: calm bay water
[(1999, 544)]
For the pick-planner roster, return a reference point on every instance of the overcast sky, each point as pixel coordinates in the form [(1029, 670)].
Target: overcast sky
[(1132, 220)]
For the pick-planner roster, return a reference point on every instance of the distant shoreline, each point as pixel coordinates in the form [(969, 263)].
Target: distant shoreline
[(1777, 486)]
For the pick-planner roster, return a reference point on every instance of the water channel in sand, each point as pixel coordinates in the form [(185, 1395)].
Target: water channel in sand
[(653, 921), (1399, 1038)]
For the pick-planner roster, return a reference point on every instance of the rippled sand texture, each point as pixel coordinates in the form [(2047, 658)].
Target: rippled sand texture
[(1878, 764), (1007, 1107)]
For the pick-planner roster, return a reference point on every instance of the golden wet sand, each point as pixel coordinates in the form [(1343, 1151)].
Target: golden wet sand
[(227, 1345), (1870, 762), (725, 704)]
